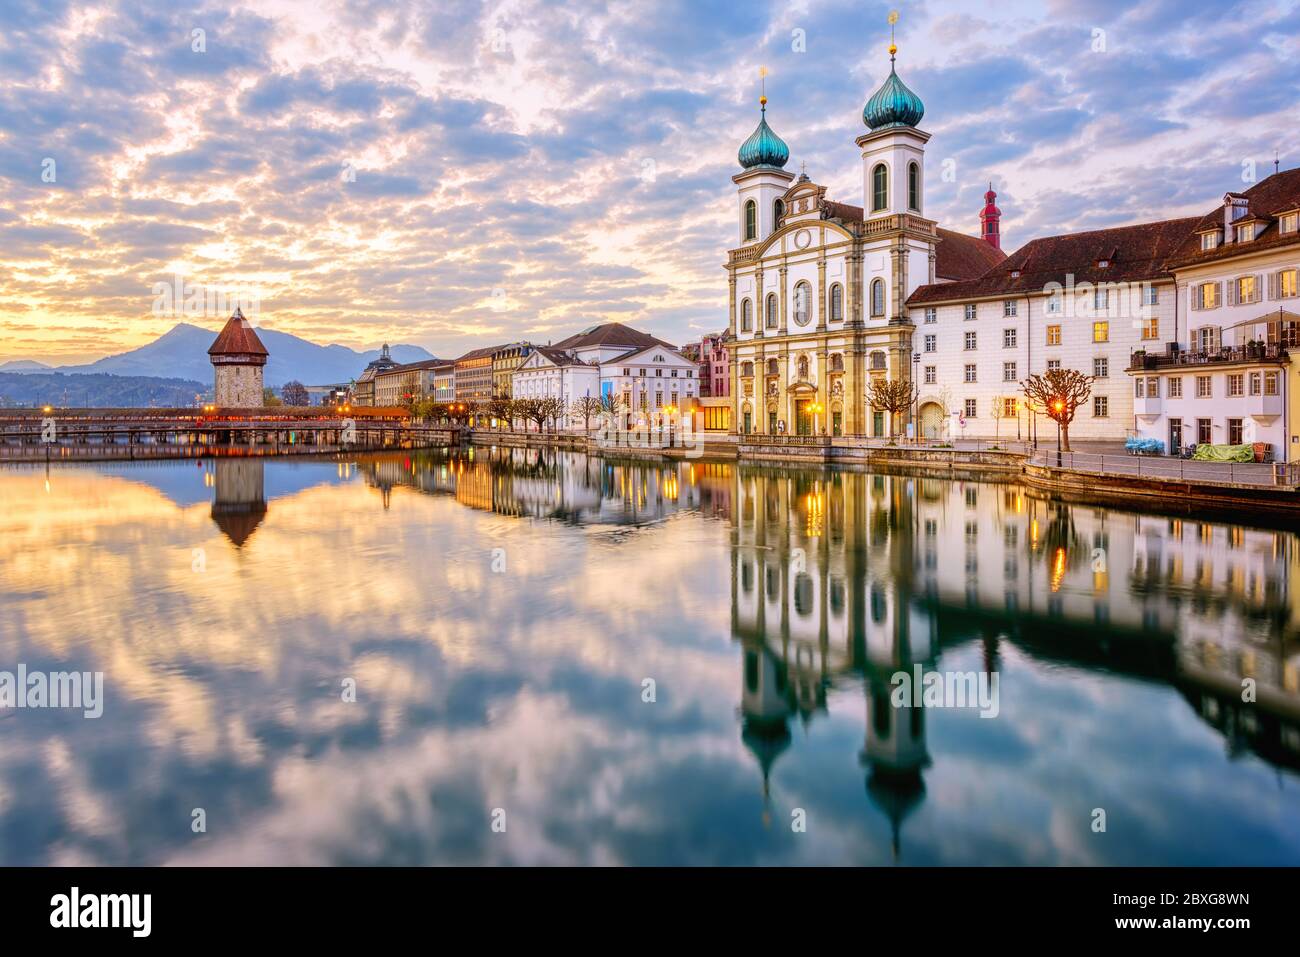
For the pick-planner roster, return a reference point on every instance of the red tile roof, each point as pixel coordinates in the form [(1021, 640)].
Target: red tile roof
[(958, 256), (611, 334), (1268, 198), (237, 338), (1134, 253)]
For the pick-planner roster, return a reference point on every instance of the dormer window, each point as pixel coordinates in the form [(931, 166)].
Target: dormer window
[(1288, 223), (1246, 233), (1103, 263), (1209, 241), (1015, 274)]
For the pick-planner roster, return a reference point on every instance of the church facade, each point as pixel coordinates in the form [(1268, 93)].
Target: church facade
[(818, 289)]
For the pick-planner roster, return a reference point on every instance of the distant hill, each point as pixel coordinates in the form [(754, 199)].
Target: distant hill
[(182, 352), (96, 391), (23, 365)]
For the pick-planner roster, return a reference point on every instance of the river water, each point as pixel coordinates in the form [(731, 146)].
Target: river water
[(497, 656)]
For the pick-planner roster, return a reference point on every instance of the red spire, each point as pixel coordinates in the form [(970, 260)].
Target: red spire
[(237, 338), (990, 216)]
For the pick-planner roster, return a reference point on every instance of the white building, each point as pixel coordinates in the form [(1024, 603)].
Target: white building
[(1224, 376), (551, 372)]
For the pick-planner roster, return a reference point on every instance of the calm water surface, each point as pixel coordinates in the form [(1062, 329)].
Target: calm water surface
[(501, 612)]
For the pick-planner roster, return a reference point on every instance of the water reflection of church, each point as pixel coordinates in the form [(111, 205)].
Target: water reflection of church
[(841, 579)]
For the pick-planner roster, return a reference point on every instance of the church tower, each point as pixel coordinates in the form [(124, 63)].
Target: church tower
[(990, 219), (762, 180), (237, 359)]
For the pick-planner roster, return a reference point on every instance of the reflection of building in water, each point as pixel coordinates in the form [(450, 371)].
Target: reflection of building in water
[(840, 578), (817, 597), (240, 501)]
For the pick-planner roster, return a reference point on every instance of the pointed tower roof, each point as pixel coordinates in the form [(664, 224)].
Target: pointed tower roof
[(893, 104), (764, 147), (237, 338)]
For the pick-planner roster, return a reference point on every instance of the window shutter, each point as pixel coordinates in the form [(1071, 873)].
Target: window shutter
[(1272, 285), (1196, 298), (1218, 293), (1232, 293), (1259, 288)]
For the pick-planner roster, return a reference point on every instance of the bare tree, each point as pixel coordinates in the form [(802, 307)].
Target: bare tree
[(612, 408), (586, 408), (553, 409), (499, 407), (1059, 392), (893, 396), (294, 392), (997, 412), (532, 410)]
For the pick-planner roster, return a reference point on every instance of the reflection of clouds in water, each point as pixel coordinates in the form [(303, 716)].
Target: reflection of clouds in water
[(522, 690)]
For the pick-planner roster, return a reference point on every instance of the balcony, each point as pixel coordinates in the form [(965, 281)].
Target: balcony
[(1146, 406), (1263, 406), (1228, 355)]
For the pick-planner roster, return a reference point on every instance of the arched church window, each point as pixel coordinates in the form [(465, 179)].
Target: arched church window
[(879, 187), (837, 303), (914, 187), (802, 303), (877, 360), (877, 297), (771, 311), (773, 368), (837, 363), (747, 368), (746, 315), (779, 209), (751, 220)]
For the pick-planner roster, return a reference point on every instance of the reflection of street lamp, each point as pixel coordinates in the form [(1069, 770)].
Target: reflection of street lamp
[(916, 392), (816, 409)]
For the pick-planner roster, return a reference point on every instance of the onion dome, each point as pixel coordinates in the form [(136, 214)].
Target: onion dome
[(763, 148), (893, 104)]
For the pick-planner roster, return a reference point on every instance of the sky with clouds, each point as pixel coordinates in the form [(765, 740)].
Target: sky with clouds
[(459, 173)]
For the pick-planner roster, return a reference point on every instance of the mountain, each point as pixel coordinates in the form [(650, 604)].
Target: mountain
[(23, 365), (96, 391), (182, 352)]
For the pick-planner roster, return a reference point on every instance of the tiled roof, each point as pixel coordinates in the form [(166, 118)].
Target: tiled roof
[(1269, 197), (610, 334), (478, 353), (417, 366), (958, 256), (1134, 253), (237, 338), (561, 357)]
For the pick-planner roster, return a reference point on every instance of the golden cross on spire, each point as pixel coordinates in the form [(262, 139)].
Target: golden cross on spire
[(893, 47), (762, 85)]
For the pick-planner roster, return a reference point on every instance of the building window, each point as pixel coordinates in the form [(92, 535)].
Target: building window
[(1008, 307), (1286, 284), (970, 340), (773, 367), (1246, 289), (878, 360), (1101, 332), (1100, 300), (913, 187), (1256, 383), (877, 297), (970, 408), (1153, 387), (1008, 372), (1209, 241), (970, 372), (1009, 412), (1287, 224), (1203, 431), (837, 303), (1246, 233), (751, 220), (1100, 407), (1270, 383), (747, 369), (929, 343), (772, 319), (1207, 295), (1053, 335), (1204, 388), (879, 188), (1008, 338), (1139, 388), (1053, 364), (1174, 387), (746, 318), (802, 303), (778, 210), (1054, 303), (1101, 368), (1236, 386), (970, 310), (1150, 296), (931, 314), (1151, 328), (929, 375), (1234, 431)]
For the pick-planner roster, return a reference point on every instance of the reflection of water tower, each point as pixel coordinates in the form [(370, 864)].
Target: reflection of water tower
[(894, 755), (765, 710), (240, 502)]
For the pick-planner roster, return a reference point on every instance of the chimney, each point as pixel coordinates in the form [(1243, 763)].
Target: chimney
[(990, 215)]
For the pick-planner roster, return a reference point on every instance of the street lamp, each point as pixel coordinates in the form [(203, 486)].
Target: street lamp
[(816, 409), (1058, 407)]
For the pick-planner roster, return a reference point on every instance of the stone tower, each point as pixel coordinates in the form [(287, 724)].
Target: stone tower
[(237, 359)]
